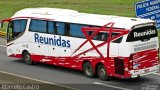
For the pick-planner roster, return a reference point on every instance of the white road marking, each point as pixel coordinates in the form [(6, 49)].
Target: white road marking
[(115, 87), (3, 46), (38, 80), (156, 73)]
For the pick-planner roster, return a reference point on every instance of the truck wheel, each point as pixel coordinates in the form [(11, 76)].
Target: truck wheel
[(88, 70), (102, 74), (27, 58)]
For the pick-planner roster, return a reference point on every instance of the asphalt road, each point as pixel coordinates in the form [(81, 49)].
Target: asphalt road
[(73, 78)]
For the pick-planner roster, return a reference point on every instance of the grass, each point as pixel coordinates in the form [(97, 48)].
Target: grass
[(110, 7)]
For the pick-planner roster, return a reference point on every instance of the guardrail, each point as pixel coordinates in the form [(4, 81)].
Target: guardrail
[(2, 33)]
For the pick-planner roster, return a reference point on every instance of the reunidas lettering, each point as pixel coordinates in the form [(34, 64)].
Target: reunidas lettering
[(52, 41), (141, 34)]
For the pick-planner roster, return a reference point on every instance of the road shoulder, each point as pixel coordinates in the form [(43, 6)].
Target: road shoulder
[(12, 81)]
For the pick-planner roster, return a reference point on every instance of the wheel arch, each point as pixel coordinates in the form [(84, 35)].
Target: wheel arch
[(85, 61), (24, 52)]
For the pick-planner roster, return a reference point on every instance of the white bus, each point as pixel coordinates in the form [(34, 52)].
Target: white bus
[(103, 45)]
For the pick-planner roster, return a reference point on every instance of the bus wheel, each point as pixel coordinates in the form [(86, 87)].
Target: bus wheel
[(102, 74), (88, 70), (27, 58)]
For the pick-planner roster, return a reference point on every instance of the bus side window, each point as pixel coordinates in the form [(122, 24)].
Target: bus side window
[(38, 26), (104, 36), (114, 34), (60, 28), (76, 30), (118, 40), (90, 33), (51, 28), (101, 36)]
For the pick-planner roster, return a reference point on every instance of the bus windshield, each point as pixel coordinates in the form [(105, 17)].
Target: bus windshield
[(142, 34), (15, 29)]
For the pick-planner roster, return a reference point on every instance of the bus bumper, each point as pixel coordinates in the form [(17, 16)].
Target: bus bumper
[(146, 71)]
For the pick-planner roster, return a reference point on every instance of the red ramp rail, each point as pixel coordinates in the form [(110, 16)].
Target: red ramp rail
[(106, 28)]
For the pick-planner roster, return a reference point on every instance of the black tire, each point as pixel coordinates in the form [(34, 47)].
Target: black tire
[(27, 58), (88, 70), (102, 73)]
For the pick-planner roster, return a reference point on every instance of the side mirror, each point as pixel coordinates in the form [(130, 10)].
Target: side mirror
[(1, 25)]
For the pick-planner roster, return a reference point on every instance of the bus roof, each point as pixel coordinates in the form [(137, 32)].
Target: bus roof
[(73, 16)]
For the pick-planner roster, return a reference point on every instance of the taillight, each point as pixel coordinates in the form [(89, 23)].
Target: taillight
[(130, 62)]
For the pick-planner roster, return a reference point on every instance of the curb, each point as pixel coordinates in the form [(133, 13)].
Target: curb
[(2, 33)]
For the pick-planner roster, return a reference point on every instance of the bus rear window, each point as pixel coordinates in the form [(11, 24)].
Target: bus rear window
[(142, 34)]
